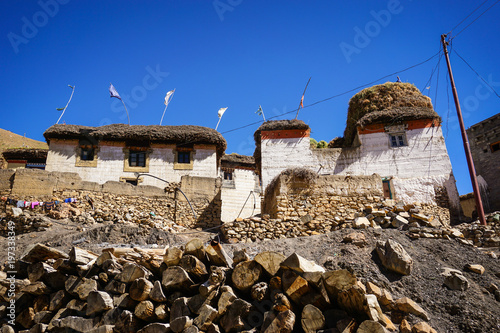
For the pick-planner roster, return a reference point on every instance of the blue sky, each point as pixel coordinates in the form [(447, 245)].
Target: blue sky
[(238, 54)]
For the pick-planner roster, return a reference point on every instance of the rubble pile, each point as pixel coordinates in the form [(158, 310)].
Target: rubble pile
[(199, 288)]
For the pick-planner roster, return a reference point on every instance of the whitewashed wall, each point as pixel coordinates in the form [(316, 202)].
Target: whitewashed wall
[(62, 157), (235, 193), (415, 168)]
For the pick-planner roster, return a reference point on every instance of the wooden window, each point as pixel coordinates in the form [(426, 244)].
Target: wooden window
[(228, 175), (183, 157), (87, 154), (137, 158), (398, 140)]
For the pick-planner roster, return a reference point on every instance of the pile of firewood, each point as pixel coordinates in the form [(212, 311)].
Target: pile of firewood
[(191, 289)]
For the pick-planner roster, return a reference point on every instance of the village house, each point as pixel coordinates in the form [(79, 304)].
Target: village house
[(484, 140), (392, 130), (29, 158), (121, 152)]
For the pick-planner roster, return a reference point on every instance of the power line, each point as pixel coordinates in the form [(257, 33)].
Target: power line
[(455, 51), (467, 17), (476, 19)]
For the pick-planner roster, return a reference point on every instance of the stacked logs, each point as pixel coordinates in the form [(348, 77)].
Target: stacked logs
[(196, 288)]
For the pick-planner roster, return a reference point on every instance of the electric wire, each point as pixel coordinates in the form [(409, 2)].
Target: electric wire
[(448, 113), (485, 82), (467, 16), (427, 84), (338, 95), (476, 18)]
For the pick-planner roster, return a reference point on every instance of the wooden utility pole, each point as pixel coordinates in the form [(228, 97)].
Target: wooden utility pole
[(468, 155)]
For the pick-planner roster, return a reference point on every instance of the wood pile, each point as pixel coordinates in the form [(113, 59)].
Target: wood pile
[(194, 288)]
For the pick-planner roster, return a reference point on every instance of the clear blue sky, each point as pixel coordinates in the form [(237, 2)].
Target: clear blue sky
[(237, 54)]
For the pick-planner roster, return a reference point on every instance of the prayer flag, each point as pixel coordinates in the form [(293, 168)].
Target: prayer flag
[(113, 92)]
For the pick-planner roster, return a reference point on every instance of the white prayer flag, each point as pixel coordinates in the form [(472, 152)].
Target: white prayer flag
[(168, 96), (221, 112)]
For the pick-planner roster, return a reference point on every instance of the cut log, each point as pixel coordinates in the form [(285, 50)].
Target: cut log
[(111, 267), (98, 301), (145, 310), (36, 288), (312, 319), (78, 324), (38, 270), (115, 287), (193, 266), (65, 266), (38, 328), (140, 289), (26, 317), (57, 300), (77, 305), (39, 252), (41, 303), (172, 256), (126, 323), (43, 317), (161, 312), (338, 280), (124, 302), (156, 328), (217, 255), (370, 326), (259, 291), (234, 318), (278, 322), (176, 278), (205, 318), (352, 300), (80, 256), (80, 287), (181, 323), (196, 248), (105, 255), (179, 308), (124, 251), (246, 274), (281, 303), (270, 261), (156, 293), (239, 256), (294, 285), (103, 329), (226, 298), (131, 272), (301, 265), (61, 313)]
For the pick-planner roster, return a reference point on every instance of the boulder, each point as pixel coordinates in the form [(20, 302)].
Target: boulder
[(394, 257)]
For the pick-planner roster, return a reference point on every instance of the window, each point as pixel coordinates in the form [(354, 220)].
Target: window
[(137, 158), (86, 154), (228, 175), (386, 185), (183, 157), (398, 140), (495, 146), (131, 180)]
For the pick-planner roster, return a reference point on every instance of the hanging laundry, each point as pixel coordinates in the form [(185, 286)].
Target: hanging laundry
[(20, 204), (34, 204), (49, 205)]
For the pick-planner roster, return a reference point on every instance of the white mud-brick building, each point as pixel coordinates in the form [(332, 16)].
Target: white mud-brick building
[(484, 140), (392, 130), (120, 152), (240, 192)]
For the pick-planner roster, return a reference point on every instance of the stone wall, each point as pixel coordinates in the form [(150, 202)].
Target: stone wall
[(111, 156), (482, 137), (117, 199), (326, 198)]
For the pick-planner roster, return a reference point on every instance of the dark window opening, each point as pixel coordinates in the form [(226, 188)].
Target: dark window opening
[(228, 175), (87, 154), (398, 140), (495, 147), (183, 157), (131, 181), (137, 159), (386, 184)]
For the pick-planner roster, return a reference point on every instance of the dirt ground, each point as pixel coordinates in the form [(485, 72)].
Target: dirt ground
[(473, 310)]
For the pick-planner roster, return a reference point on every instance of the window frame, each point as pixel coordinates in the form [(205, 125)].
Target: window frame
[(399, 138), (183, 165), (126, 160), (494, 150), (79, 162)]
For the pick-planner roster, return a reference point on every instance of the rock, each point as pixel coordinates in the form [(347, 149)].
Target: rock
[(98, 301), (278, 322), (475, 268), (394, 257), (422, 327), (456, 281), (356, 238), (361, 222), (370, 326), (16, 211), (405, 326), (375, 312), (270, 261), (301, 265), (405, 304), (399, 221)]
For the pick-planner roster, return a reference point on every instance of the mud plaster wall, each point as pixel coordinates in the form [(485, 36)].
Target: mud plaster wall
[(416, 170), (110, 162), (39, 185), (240, 196), (328, 198)]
